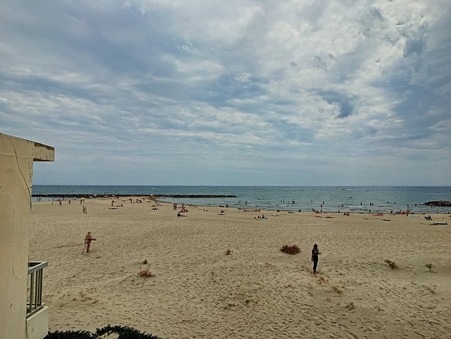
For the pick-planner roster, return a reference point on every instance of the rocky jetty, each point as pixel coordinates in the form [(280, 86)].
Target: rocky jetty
[(441, 203)]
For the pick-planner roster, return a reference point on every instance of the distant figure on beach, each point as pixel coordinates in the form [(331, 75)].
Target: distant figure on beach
[(88, 239), (315, 253), (85, 209)]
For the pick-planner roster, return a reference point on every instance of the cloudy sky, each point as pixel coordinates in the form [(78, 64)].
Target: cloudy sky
[(237, 92)]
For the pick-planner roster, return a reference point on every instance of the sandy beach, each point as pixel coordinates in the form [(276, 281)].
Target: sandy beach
[(255, 291)]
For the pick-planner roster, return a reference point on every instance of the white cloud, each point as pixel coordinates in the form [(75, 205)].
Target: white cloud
[(252, 86)]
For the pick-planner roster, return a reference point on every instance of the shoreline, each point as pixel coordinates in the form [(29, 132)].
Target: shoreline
[(158, 198)]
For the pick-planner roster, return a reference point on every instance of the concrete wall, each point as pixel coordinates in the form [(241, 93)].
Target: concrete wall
[(38, 324), (16, 170)]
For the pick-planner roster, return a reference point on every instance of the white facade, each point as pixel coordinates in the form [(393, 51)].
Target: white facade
[(16, 170)]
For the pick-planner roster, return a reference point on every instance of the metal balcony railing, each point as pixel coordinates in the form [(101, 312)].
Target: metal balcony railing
[(34, 286)]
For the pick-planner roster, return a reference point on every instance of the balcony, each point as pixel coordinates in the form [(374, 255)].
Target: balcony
[(37, 312)]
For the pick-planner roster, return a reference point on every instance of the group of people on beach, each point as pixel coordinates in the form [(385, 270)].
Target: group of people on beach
[(315, 250), (88, 238)]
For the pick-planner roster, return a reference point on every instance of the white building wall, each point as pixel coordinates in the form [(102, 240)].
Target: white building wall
[(16, 167)]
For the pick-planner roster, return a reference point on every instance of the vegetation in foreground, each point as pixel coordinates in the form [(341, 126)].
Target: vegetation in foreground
[(124, 332)]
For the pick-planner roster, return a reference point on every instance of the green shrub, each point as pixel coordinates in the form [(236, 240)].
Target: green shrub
[(70, 335), (124, 332)]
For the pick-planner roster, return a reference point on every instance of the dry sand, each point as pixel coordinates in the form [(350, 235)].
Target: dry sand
[(256, 291)]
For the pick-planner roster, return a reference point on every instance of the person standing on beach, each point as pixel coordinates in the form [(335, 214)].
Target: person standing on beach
[(315, 253), (88, 239)]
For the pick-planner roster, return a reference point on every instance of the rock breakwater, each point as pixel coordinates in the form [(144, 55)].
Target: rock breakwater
[(441, 203)]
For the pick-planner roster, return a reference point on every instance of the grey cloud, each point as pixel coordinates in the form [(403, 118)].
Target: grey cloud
[(324, 62), (344, 102), (376, 13), (416, 43)]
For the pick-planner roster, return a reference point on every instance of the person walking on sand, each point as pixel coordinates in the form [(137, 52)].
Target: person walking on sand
[(315, 253), (88, 239)]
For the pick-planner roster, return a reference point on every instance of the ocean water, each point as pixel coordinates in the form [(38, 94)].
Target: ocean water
[(371, 199)]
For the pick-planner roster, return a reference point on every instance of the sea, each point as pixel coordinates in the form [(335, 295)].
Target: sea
[(363, 199)]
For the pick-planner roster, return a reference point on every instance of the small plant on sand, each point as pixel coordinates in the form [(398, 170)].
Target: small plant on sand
[(228, 252), (320, 280), (290, 249), (430, 289), (337, 290), (350, 306), (430, 267), (392, 264), (145, 273)]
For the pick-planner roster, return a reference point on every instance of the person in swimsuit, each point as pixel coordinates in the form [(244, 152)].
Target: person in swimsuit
[(88, 240), (315, 253)]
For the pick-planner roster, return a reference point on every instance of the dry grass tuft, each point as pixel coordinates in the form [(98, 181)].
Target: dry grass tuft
[(392, 264), (290, 249), (350, 306), (321, 280), (430, 267), (145, 273), (430, 289), (337, 290)]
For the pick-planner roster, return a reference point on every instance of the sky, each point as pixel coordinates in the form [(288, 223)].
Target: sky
[(237, 92)]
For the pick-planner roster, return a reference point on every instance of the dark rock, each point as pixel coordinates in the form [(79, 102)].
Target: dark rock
[(441, 203)]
